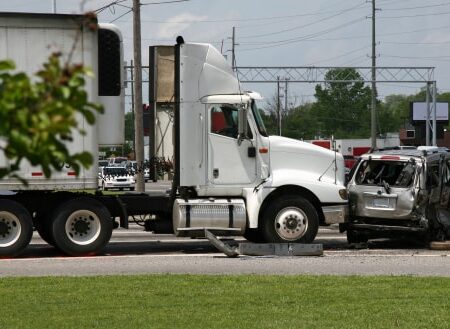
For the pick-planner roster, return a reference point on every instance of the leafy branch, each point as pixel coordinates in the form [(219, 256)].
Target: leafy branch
[(39, 116)]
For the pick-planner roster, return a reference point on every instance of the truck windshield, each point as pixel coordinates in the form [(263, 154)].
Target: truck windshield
[(259, 121)]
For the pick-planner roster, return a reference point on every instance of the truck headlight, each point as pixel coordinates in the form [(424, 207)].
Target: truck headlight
[(343, 194)]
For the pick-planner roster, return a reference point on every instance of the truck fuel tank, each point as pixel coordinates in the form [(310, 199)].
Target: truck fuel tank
[(221, 216)]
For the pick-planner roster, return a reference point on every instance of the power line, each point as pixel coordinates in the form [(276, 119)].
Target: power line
[(302, 26), (127, 12), (243, 19), (312, 35), (339, 56), (417, 7), (117, 2), (163, 2), (417, 43), (434, 58), (414, 16)]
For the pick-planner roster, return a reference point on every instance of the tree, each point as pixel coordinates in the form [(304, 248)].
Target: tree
[(301, 122), (38, 115), (342, 108), (129, 126)]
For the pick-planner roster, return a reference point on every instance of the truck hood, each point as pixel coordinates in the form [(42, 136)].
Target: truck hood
[(310, 161)]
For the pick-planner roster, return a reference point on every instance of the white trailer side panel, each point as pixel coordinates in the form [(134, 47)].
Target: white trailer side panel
[(28, 41)]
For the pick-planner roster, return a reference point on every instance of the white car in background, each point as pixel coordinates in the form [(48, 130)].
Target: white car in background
[(115, 178)]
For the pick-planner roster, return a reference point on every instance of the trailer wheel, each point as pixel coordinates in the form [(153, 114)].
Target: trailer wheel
[(290, 219), (16, 228), (81, 226)]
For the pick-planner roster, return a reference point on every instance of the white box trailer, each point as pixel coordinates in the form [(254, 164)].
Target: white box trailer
[(230, 177), (28, 40)]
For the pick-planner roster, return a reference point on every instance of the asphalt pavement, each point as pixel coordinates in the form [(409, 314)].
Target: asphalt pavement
[(137, 252)]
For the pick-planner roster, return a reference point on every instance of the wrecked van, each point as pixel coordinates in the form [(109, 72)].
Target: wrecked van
[(393, 193)]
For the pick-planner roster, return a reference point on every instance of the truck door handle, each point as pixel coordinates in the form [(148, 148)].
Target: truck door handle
[(216, 173)]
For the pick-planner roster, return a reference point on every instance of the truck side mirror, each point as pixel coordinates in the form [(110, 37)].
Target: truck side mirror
[(242, 125)]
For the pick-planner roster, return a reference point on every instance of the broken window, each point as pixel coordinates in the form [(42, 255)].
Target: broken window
[(394, 173)]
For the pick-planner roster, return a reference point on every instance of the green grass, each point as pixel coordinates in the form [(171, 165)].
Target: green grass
[(188, 301)]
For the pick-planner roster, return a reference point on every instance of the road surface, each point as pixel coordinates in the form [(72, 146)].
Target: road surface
[(137, 252)]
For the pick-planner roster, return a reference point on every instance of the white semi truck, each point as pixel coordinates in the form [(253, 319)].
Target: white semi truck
[(230, 177)]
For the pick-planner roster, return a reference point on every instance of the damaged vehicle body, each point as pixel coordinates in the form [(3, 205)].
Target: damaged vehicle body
[(396, 193)]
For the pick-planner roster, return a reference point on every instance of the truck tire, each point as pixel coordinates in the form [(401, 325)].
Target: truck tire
[(16, 228), (81, 226), (290, 219)]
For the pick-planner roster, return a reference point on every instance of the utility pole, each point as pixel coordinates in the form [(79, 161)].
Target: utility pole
[(278, 107), (427, 120), (233, 43), (373, 126), (132, 106), (285, 97), (138, 111)]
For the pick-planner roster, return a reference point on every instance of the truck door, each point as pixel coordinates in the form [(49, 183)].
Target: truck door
[(229, 162)]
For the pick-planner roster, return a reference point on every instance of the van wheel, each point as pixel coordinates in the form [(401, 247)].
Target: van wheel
[(81, 227), (16, 228), (290, 219)]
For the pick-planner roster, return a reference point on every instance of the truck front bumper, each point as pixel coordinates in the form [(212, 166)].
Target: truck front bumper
[(335, 214)]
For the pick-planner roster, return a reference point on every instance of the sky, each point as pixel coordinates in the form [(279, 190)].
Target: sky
[(409, 33)]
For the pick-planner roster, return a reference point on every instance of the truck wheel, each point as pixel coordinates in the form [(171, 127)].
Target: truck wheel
[(16, 228), (81, 226), (356, 237), (290, 219)]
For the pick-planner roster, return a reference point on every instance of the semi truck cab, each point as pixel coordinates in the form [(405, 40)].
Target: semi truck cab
[(283, 187)]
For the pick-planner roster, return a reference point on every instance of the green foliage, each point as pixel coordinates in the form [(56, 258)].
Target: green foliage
[(129, 126), (270, 121), (38, 115), (343, 108)]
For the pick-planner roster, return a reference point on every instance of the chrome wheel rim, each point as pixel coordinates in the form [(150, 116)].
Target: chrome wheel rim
[(83, 227), (291, 223), (10, 229)]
